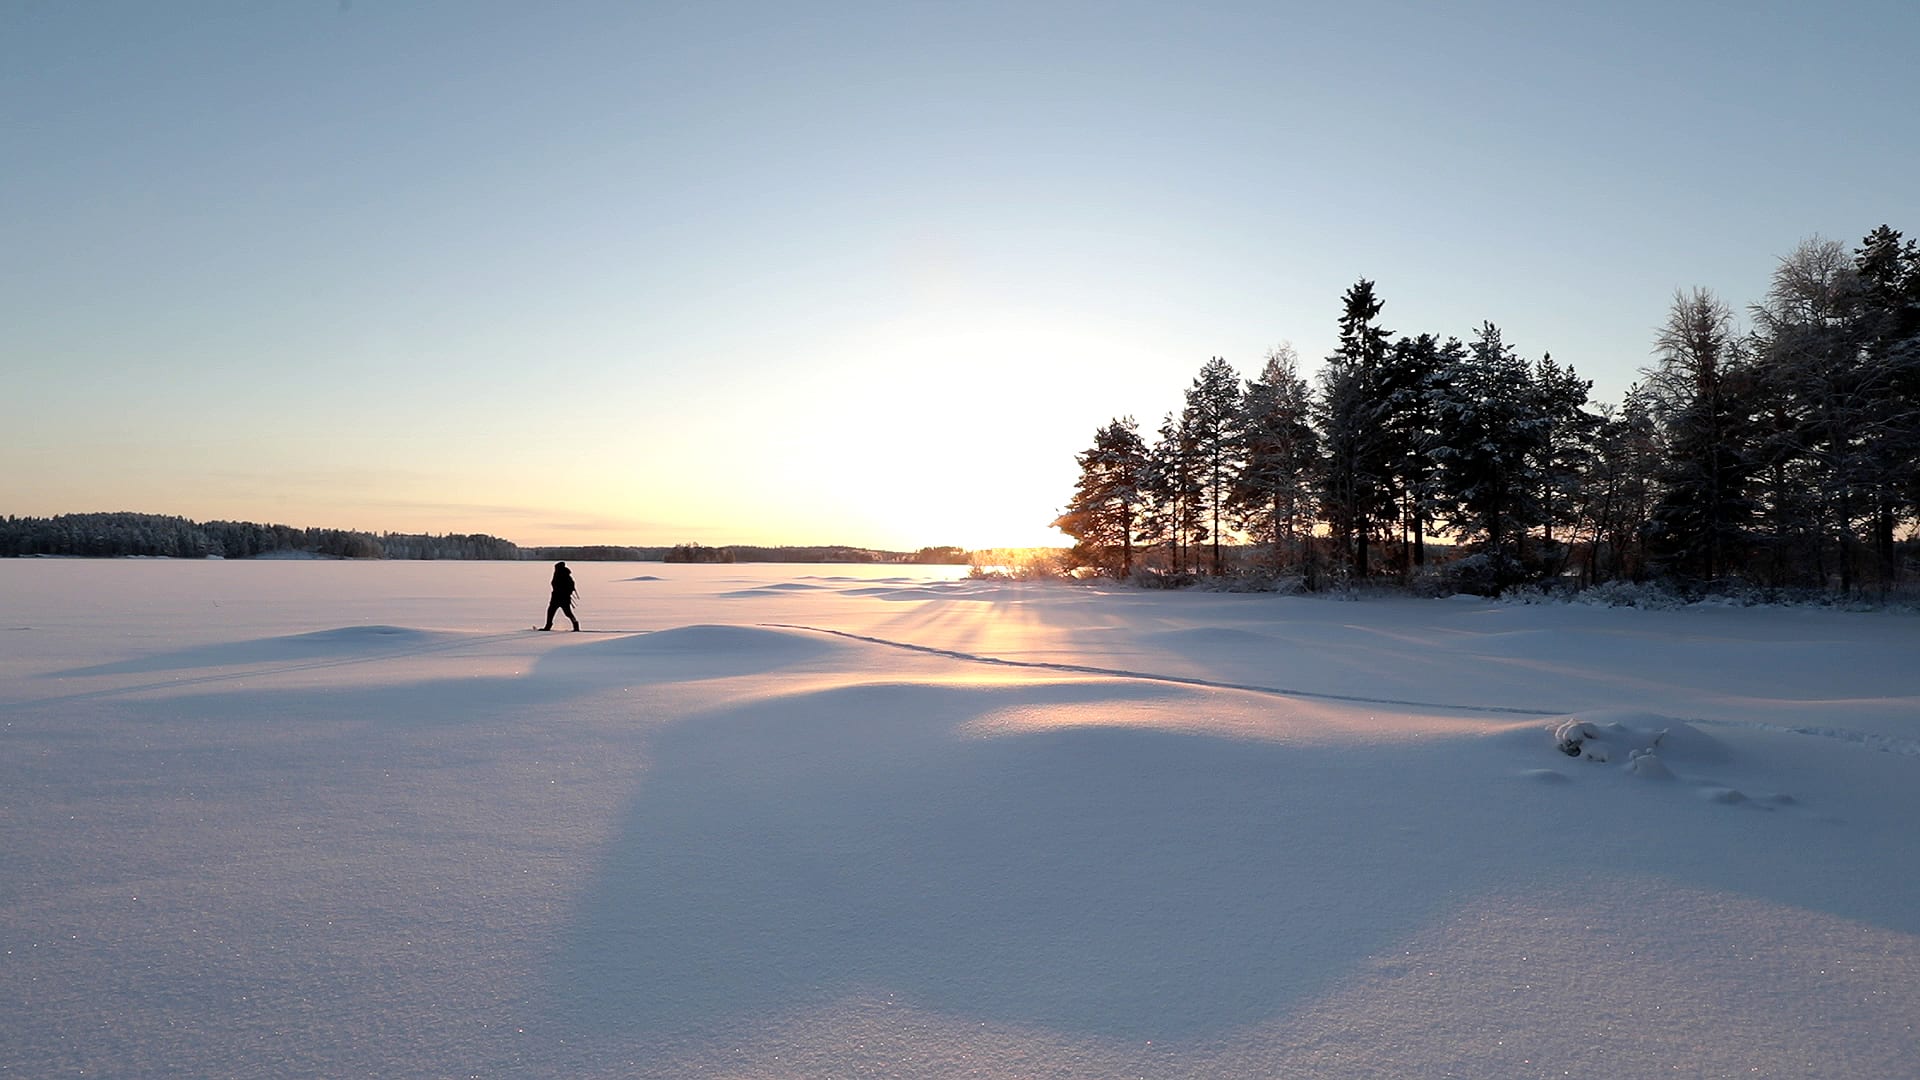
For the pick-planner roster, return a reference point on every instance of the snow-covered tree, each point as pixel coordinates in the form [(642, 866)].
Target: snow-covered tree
[(1810, 393), (1887, 299), (1489, 431), (1409, 388), (1356, 495), (1699, 390), (1565, 446), (1616, 493)]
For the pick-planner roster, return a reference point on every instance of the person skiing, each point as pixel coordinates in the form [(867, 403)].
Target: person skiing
[(563, 593)]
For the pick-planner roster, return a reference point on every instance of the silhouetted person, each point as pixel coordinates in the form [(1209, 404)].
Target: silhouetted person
[(563, 592)]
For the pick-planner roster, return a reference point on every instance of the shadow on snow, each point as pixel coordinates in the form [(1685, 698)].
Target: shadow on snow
[(1126, 882)]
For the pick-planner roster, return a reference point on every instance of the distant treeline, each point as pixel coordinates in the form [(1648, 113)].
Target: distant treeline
[(159, 535), (122, 535), (700, 553), (594, 553)]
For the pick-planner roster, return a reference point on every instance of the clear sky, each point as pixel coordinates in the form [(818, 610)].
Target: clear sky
[(843, 273)]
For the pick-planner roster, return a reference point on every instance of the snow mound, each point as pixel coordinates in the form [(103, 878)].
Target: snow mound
[(1602, 741), (929, 592), (1647, 763), (719, 637), (361, 635), (1623, 737), (1209, 635), (765, 590), (1653, 747), (911, 589), (346, 642), (754, 645)]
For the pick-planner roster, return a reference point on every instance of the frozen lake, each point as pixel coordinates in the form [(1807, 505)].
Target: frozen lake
[(326, 818)]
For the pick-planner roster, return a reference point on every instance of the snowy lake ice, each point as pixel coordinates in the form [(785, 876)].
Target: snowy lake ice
[(356, 819)]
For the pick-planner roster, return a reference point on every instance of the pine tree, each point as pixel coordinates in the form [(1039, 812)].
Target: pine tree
[(1108, 500), (1173, 493), (1280, 452), (1212, 411)]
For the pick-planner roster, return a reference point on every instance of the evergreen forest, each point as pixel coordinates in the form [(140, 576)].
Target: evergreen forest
[(1783, 456)]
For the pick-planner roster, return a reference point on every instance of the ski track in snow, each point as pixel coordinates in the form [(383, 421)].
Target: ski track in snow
[(1119, 673), (1887, 744), (1884, 743)]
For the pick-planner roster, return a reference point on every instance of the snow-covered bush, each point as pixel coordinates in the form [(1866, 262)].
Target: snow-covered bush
[(1651, 596), (1035, 564), (1658, 596), (1603, 741), (1146, 577), (1260, 581), (1480, 574)]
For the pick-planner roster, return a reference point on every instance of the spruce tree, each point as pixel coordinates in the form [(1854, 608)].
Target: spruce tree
[(1489, 431), (1809, 393), (1616, 494), (1355, 494), (1699, 391), (1409, 388), (1565, 446), (1887, 309)]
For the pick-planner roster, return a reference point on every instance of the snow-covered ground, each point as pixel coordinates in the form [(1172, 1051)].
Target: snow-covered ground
[(352, 819)]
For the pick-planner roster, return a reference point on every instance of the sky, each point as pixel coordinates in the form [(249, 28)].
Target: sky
[(843, 273)]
